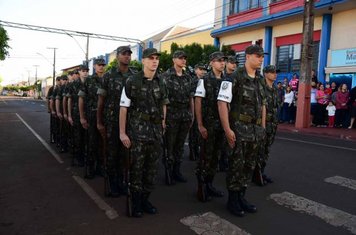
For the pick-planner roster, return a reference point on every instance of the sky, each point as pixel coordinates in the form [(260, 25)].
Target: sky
[(133, 19)]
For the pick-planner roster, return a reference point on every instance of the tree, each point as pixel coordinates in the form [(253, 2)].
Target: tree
[(3, 43)]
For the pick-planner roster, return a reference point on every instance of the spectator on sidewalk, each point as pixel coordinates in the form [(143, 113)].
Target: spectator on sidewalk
[(294, 82), (321, 98), (333, 87), (313, 103), (331, 113), (328, 91), (285, 83), (280, 92), (288, 105), (352, 102), (342, 98)]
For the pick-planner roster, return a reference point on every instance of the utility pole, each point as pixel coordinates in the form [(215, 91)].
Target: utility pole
[(54, 64), (87, 53), (303, 103), (36, 66)]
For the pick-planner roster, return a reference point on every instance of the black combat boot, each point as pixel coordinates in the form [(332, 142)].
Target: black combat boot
[(112, 185), (266, 179), (147, 205), (89, 170), (211, 190), (245, 205), (177, 175), (233, 204), (136, 205)]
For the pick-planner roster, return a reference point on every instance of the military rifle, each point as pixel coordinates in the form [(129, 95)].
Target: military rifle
[(202, 191), (167, 167), (107, 189)]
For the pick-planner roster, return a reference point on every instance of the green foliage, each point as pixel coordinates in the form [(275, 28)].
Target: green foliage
[(227, 50), (112, 64), (165, 61), (4, 47), (136, 65)]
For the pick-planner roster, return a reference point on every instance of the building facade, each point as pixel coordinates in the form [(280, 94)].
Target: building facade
[(277, 25)]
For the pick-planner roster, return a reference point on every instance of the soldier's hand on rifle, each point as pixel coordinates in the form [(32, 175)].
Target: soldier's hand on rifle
[(70, 120), (101, 129), (231, 138), (65, 117), (84, 123), (125, 140), (203, 131)]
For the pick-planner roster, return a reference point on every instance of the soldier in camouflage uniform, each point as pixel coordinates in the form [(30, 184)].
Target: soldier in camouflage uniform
[(59, 108), (143, 107), (108, 118), (270, 75), (180, 112), (54, 111), (244, 126), (49, 101), (206, 111), (88, 101), (200, 71), (231, 66), (67, 125), (74, 117)]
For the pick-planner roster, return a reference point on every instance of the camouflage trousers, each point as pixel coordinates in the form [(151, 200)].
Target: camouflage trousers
[(176, 133), (64, 134), (242, 163), (93, 139), (267, 143), (114, 150), (211, 149), (144, 158), (79, 136)]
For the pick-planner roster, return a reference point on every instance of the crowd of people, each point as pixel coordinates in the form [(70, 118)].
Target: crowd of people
[(119, 124), (330, 105)]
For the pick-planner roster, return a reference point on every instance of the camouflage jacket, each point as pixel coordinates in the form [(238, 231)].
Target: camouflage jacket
[(49, 93), (180, 89), (89, 92), (271, 107), (111, 88), (73, 91), (145, 113)]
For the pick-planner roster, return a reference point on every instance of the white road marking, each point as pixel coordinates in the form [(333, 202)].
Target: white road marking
[(54, 154), (42, 105), (335, 217), (315, 143), (4, 102), (342, 181), (109, 211), (209, 223)]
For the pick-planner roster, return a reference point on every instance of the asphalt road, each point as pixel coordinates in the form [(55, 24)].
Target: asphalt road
[(40, 194)]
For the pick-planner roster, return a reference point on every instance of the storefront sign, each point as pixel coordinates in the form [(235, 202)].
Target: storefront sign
[(346, 57)]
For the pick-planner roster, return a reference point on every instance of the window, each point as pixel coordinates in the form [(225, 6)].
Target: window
[(237, 6), (289, 58), (241, 58), (273, 1)]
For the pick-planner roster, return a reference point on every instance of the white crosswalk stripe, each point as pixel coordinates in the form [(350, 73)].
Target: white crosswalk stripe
[(209, 223), (342, 181), (335, 217)]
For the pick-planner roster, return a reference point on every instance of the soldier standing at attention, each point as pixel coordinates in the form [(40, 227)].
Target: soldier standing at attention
[(272, 103), (180, 111), (59, 109), (49, 101), (88, 101), (200, 71), (54, 111), (208, 122), (231, 66), (74, 117), (244, 126), (143, 108), (108, 119)]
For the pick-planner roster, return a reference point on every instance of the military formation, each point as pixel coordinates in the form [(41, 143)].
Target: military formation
[(121, 123)]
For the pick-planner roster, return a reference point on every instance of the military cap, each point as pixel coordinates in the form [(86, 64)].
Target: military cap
[(122, 49), (255, 49), (83, 67), (232, 59), (200, 66), (217, 55), (64, 77), (100, 61), (270, 69), (75, 71), (58, 78), (70, 72), (150, 51), (179, 54)]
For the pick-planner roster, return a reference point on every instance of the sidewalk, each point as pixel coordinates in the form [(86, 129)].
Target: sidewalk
[(337, 133)]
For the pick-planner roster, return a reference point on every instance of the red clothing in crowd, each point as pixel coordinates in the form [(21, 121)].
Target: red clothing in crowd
[(328, 91), (342, 98), (294, 83)]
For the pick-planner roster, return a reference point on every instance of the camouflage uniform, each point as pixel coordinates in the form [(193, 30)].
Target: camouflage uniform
[(112, 85), (52, 124), (62, 138), (245, 120), (212, 146), (89, 93), (56, 132), (179, 117), (271, 122), (144, 128), (194, 140), (78, 130)]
